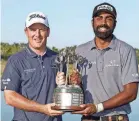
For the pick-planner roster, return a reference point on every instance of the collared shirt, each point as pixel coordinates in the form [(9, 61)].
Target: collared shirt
[(105, 72), (32, 76)]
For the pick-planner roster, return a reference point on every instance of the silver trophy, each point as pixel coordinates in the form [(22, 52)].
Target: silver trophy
[(70, 96)]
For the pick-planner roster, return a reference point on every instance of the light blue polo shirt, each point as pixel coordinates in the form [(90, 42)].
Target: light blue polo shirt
[(105, 72), (32, 76)]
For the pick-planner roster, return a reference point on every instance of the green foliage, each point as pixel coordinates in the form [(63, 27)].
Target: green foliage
[(55, 49), (137, 53), (9, 49), (2, 63)]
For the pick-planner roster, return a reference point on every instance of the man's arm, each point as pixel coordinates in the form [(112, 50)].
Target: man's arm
[(127, 95), (16, 100)]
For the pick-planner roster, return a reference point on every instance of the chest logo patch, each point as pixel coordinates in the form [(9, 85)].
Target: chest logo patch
[(30, 70), (112, 63)]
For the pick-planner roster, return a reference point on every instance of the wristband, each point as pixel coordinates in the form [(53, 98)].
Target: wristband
[(99, 107)]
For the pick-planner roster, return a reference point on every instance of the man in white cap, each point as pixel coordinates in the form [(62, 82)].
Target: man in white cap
[(29, 78)]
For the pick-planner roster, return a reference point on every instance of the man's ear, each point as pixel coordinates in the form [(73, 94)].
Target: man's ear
[(25, 30), (115, 22), (92, 22), (48, 29)]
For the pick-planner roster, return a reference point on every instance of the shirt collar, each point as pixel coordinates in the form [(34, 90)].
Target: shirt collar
[(93, 44), (32, 53), (112, 44)]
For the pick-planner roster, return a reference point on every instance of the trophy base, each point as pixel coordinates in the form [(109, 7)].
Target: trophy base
[(67, 108)]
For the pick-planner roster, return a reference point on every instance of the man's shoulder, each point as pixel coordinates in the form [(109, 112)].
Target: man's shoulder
[(16, 59), (83, 47), (51, 54), (123, 46), (18, 55), (50, 51)]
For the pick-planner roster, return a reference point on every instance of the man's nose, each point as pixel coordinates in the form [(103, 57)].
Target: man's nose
[(37, 33), (104, 21)]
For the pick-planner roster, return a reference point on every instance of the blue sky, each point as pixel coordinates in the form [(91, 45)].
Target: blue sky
[(70, 20)]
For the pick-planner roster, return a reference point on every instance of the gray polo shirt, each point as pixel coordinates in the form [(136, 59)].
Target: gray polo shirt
[(105, 72), (32, 76)]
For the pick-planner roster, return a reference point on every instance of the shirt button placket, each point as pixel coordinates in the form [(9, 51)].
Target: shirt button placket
[(41, 62), (100, 60)]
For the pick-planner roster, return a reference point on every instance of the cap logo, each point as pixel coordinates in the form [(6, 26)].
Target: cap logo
[(36, 16), (107, 7)]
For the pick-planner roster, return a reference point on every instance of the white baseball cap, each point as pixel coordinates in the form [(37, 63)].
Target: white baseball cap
[(36, 17)]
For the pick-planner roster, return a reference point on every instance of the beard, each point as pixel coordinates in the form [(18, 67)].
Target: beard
[(103, 35)]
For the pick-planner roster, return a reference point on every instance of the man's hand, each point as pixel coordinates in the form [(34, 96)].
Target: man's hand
[(88, 109), (75, 78), (47, 109), (60, 78)]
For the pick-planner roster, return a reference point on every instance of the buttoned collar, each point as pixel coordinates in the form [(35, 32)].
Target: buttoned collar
[(32, 53), (112, 44)]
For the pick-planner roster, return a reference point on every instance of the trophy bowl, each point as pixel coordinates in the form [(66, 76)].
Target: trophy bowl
[(68, 98)]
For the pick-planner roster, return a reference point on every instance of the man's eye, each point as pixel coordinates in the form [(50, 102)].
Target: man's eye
[(42, 29), (109, 19), (32, 29), (99, 18)]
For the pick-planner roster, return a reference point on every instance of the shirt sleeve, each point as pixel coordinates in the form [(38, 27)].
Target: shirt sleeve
[(11, 76), (130, 68)]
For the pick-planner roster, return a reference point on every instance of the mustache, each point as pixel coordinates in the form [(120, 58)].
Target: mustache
[(104, 25)]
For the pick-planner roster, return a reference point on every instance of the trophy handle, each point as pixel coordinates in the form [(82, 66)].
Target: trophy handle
[(61, 67)]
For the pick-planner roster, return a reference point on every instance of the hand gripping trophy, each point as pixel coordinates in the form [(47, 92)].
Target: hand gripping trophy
[(70, 96)]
